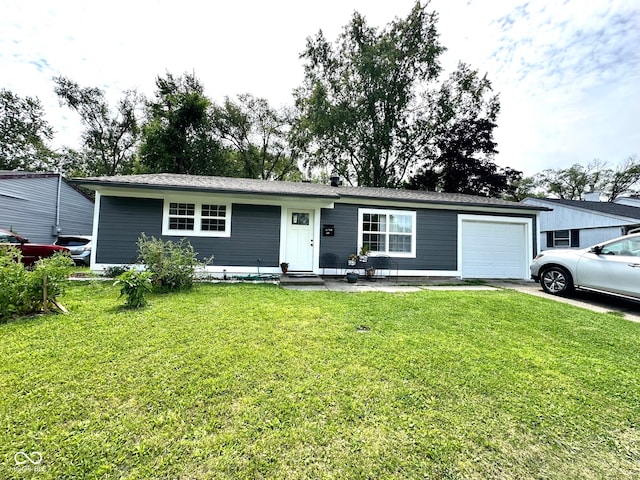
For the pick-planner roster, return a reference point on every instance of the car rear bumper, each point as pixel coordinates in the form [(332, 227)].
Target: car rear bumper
[(83, 258)]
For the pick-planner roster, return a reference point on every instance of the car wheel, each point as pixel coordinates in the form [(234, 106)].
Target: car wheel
[(556, 281)]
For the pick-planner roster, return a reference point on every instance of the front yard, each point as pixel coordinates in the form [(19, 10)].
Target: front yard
[(252, 381)]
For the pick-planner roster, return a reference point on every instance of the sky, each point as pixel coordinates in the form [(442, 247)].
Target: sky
[(567, 71)]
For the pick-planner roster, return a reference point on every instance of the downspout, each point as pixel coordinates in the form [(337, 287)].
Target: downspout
[(56, 227)]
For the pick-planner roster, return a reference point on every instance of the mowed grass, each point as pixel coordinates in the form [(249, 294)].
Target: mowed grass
[(252, 381)]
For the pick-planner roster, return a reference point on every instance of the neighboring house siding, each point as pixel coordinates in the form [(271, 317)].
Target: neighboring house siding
[(28, 206), (436, 237), (632, 202), (76, 212), (586, 237), (592, 226), (590, 237), (564, 217), (255, 233)]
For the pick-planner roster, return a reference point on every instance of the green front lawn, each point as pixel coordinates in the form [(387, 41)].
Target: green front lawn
[(252, 381)]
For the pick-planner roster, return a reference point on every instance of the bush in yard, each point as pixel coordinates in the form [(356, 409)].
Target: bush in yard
[(173, 264), (24, 291), (13, 296), (135, 285), (115, 271)]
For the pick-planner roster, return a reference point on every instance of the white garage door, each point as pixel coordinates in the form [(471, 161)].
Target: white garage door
[(494, 249)]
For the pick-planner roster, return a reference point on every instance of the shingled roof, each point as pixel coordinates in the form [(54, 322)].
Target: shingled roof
[(170, 181), (608, 208)]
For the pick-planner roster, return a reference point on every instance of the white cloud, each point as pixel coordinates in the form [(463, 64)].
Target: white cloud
[(567, 72)]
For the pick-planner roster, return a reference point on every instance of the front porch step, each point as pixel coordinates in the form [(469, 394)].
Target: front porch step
[(300, 278)]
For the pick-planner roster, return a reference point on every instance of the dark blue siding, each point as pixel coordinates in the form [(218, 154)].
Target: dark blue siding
[(255, 233), (345, 240), (436, 236), (436, 240), (122, 220)]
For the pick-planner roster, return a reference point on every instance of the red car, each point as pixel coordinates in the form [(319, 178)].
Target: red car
[(31, 252)]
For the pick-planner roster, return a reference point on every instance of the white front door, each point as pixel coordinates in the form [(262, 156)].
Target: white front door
[(299, 248)]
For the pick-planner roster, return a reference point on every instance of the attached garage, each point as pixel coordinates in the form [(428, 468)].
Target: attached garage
[(494, 247)]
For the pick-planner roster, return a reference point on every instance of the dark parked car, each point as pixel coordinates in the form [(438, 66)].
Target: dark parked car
[(31, 252), (611, 267), (79, 246)]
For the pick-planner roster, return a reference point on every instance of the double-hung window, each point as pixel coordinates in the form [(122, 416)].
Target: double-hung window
[(195, 218), (563, 238), (387, 232)]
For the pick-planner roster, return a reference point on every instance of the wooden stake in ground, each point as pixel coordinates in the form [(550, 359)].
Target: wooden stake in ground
[(45, 300)]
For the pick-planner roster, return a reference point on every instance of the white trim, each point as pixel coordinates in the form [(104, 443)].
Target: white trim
[(538, 236), (379, 211), (94, 233), (248, 270), (197, 217), (527, 222)]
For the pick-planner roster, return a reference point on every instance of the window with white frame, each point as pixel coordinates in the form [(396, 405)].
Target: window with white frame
[(191, 218), (388, 232), (561, 238)]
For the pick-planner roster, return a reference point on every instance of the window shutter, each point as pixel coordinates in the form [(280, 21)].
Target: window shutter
[(549, 239), (575, 238)]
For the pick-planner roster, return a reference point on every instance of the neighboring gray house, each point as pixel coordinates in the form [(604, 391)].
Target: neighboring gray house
[(581, 223), (631, 201), (313, 227), (40, 206)]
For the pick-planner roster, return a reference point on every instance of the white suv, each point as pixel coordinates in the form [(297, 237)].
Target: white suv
[(611, 267)]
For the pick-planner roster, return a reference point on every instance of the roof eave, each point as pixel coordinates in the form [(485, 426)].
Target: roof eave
[(516, 206), (92, 183)]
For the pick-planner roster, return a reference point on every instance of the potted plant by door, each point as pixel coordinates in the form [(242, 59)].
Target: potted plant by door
[(364, 253), (371, 273), (352, 277), (352, 260), (284, 266)]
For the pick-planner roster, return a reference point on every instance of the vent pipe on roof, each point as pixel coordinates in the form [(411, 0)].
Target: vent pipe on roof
[(335, 181)]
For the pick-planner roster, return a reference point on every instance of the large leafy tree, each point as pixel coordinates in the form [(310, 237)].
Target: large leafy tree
[(24, 134), (359, 101), (110, 137), (624, 179), (573, 182), (523, 188), (259, 135), (460, 148), (178, 134)]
